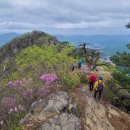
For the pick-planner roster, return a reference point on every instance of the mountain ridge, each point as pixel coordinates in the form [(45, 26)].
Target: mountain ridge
[(22, 41)]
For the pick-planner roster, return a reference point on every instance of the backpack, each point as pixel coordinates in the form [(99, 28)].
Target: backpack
[(100, 86)]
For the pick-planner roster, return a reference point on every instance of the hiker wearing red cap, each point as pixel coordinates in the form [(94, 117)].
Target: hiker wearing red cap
[(91, 78)]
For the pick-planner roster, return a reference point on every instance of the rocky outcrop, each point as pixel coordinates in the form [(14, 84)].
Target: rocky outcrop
[(56, 113), (25, 40), (60, 112), (101, 115), (64, 121)]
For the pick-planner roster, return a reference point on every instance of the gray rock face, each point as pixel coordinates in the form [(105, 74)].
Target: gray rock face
[(61, 103), (57, 113), (57, 103), (36, 104), (102, 115), (63, 121)]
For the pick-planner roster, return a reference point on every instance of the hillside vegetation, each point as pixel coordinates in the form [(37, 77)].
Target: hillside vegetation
[(36, 67), (33, 71)]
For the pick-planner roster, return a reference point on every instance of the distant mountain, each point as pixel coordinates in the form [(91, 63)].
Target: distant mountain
[(22, 41), (109, 44), (4, 38)]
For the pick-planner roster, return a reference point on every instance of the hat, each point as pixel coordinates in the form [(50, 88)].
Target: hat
[(100, 78), (91, 72)]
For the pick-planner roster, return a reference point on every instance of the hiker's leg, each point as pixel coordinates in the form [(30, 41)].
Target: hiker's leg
[(100, 93), (95, 93), (90, 84)]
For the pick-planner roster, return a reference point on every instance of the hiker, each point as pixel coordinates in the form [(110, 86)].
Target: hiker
[(98, 87), (91, 79), (80, 63), (72, 68)]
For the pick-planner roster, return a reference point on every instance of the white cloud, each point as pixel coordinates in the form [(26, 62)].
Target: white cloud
[(64, 16)]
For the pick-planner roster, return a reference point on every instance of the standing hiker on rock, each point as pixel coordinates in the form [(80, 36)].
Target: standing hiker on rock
[(98, 87), (91, 79)]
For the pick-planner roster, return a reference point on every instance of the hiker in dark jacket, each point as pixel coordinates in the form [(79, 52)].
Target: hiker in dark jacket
[(98, 87)]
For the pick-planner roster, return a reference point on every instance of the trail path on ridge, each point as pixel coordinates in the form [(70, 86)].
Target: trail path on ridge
[(100, 115)]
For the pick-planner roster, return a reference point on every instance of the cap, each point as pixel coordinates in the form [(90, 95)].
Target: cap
[(91, 72), (100, 78)]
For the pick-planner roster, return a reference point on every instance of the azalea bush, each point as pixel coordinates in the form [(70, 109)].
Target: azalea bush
[(22, 93), (50, 69), (50, 84), (23, 89), (15, 100), (10, 113)]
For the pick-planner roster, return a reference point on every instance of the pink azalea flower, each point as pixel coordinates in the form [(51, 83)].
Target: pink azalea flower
[(8, 102), (49, 77)]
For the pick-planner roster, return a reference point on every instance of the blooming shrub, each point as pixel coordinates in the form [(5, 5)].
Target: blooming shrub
[(41, 59), (16, 92), (44, 90), (8, 102), (49, 77), (12, 84), (84, 69), (49, 84)]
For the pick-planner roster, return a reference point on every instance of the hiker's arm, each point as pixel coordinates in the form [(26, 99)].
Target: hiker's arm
[(104, 84), (95, 85)]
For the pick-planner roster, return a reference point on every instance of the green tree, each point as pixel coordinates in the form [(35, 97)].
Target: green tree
[(91, 56), (122, 61), (48, 59)]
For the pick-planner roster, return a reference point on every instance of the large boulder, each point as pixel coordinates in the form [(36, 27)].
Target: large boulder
[(57, 112), (64, 121), (57, 103)]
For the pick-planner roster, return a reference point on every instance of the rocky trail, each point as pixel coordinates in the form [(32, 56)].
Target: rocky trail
[(77, 110), (102, 115)]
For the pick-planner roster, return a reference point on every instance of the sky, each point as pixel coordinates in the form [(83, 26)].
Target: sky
[(65, 17)]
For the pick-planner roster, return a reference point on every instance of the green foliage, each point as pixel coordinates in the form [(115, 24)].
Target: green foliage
[(77, 53), (65, 43), (112, 92), (70, 81), (83, 79), (108, 94), (121, 59), (121, 77), (7, 67), (14, 123), (25, 40), (49, 59)]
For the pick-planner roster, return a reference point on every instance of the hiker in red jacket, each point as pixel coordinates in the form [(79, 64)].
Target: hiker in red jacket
[(91, 78)]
